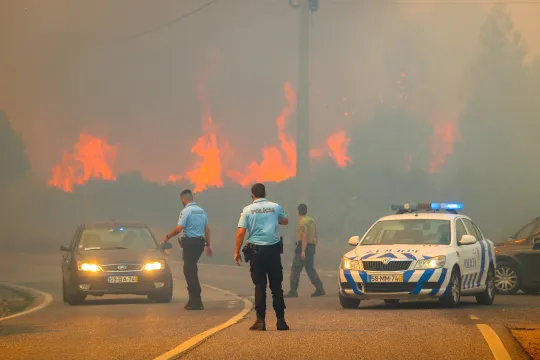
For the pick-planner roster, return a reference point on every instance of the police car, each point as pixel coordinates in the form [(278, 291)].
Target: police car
[(425, 250)]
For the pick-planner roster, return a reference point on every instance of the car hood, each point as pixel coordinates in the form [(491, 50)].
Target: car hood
[(103, 257), (412, 252)]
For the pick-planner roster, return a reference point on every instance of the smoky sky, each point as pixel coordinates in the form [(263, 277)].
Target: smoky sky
[(69, 67)]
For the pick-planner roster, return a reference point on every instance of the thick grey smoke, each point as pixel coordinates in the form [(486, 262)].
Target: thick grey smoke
[(441, 104)]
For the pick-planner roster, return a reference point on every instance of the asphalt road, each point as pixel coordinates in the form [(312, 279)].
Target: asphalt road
[(320, 329)]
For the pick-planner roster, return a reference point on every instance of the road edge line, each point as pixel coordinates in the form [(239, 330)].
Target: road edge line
[(197, 339), (47, 299), (494, 342)]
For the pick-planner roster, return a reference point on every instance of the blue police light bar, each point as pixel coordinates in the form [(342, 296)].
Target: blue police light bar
[(408, 207)]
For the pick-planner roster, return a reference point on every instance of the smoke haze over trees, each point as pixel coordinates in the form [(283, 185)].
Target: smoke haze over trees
[(434, 111)]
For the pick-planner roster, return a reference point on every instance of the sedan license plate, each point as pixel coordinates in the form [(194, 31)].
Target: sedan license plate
[(386, 278), (122, 279)]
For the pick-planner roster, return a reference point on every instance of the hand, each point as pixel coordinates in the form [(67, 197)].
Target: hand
[(166, 238), (237, 258), (208, 251), (303, 255)]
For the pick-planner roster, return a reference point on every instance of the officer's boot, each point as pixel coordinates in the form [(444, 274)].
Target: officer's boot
[(194, 303), (319, 292), (291, 294), (259, 325), (282, 324)]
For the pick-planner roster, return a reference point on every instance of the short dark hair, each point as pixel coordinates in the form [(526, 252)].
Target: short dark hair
[(186, 193), (258, 190), (302, 209)]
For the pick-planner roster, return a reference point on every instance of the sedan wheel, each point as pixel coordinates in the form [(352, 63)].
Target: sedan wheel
[(506, 279)]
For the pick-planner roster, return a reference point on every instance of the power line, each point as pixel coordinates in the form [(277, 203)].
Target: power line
[(173, 21)]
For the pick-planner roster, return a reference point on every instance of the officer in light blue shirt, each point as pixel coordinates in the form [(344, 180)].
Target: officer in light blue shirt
[(261, 221), (194, 223)]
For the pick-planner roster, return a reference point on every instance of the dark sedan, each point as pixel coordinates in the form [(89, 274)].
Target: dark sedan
[(115, 258), (518, 261)]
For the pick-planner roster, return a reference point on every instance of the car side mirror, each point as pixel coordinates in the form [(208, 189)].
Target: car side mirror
[(354, 240), (65, 248), (467, 240)]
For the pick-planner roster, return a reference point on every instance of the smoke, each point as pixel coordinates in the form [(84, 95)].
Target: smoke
[(405, 105)]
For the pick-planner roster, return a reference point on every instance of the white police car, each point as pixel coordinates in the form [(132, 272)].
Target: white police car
[(426, 250)]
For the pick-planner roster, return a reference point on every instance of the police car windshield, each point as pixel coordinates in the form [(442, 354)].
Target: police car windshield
[(409, 231), (125, 238)]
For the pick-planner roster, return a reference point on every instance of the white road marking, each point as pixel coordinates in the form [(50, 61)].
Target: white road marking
[(472, 317), (47, 299), (190, 343), (494, 342)]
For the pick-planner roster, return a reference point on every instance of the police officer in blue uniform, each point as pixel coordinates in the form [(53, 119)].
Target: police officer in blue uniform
[(261, 220), (194, 223)]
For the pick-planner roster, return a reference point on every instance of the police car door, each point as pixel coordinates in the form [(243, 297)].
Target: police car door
[(471, 258)]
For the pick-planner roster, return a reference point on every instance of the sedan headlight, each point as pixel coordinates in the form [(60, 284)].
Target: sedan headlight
[(155, 265), (348, 264), (88, 267), (436, 262)]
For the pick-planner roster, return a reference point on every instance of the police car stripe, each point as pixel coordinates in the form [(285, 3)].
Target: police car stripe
[(425, 277), (351, 281), (472, 281), (407, 275), (482, 263), (388, 255), (440, 281), (367, 256), (464, 281), (426, 257), (409, 256)]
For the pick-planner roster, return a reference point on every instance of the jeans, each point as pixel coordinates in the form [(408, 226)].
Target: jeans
[(309, 263)]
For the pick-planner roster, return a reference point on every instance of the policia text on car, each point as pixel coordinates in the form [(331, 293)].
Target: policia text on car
[(194, 223), (261, 220)]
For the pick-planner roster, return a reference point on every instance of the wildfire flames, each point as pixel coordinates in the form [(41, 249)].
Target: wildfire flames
[(445, 134), (92, 157)]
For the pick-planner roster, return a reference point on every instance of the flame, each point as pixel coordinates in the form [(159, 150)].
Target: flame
[(338, 144), (92, 157), (279, 163), (445, 134), (207, 170)]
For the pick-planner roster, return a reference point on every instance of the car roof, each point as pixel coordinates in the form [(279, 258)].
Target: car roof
[(114, 223), (420, 215)]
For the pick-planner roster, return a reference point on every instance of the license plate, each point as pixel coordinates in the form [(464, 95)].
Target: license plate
[(122, 279), (386, 278)]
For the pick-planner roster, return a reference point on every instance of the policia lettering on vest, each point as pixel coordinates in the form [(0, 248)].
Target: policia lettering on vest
[(193, 222), (261, 221)]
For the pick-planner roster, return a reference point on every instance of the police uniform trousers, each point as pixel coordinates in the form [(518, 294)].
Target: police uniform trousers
[(309, 263), (265, 268), (191, 253)]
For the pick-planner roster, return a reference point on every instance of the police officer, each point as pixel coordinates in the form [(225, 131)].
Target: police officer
[(194, 223), (261, 219), (304, 254)]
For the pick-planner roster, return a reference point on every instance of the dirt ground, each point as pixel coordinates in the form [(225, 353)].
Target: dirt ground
[(529, 338)]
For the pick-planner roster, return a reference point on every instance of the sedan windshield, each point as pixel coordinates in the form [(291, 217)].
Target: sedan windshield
[(409, 231), (124, 238)]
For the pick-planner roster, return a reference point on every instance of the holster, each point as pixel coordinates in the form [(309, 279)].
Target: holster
[(181, 241)]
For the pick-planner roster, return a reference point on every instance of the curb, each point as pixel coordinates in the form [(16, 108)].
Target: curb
[(47, 299)]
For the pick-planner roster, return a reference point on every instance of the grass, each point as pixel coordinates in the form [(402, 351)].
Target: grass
[(16, 302)]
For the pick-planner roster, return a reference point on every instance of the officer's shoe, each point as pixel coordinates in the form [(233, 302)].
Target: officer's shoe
[(282, 325), (291, 294), (259, 325), (194, 305), (319, 292)]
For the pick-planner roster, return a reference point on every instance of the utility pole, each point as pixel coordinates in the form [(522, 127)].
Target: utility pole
[(305, 8)]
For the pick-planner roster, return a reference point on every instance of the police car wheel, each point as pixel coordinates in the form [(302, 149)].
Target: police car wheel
[(507, 279), (348, 303), (454, 290), (487, 297), (391, 301)]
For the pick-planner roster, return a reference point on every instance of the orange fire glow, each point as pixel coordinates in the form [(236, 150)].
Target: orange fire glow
[(338, 144), (445, 134), (92, 157), (207, 169), (279, 163)]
